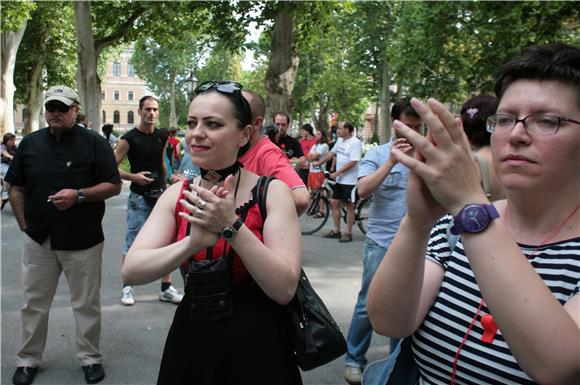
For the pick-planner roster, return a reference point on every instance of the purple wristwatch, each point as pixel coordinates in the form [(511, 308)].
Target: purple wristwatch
[(473, 218)]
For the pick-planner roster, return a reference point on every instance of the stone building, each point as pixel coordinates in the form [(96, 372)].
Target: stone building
[(121, 90)]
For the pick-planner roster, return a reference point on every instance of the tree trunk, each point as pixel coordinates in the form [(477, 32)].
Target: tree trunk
[(283, 62), (9, 42), (34, 100), (322, 123), (89, 88), (385, 112), (172, 109)]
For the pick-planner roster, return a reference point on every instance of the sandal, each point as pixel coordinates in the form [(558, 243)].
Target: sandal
[(346, 238), (318, 214), (332, 234)]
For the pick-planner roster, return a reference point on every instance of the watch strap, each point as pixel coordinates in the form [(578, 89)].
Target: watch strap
[(231, 231)]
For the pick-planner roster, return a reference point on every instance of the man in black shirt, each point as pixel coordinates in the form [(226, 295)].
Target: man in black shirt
[(145, 147), (60, 178), (289, 145)]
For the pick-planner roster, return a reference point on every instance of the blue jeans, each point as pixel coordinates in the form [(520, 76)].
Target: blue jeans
[(137, 213), (361, 330)]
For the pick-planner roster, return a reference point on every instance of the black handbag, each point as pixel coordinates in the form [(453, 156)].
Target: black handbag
[(207, 290), (317, 338)]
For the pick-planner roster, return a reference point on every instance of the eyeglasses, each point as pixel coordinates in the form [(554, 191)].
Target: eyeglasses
[(61, 107), (227, 87), (537, 124)]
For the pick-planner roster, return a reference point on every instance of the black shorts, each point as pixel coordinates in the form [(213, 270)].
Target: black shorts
[(342, 192)]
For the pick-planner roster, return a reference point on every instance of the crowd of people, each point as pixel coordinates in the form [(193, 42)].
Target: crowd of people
[(472, 251)]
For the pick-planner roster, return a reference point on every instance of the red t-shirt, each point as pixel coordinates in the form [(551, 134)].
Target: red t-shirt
[(266, 159), (253, 222)]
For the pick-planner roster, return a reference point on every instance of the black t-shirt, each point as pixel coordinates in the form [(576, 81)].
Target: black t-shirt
[(146, 154), (291, 147), (81, 158)]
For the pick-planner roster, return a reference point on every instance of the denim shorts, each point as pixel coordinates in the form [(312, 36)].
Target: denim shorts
[(137, 213)]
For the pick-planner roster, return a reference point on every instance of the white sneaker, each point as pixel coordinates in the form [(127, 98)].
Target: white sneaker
[(170, 295), (352, 375), (127, 297)]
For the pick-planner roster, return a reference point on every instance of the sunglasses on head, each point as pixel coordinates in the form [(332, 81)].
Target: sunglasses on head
[(61, 107), (227, 87)]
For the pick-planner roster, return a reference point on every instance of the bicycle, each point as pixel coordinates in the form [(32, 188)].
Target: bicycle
[(318, 211)]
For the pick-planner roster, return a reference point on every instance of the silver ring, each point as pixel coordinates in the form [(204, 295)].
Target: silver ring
[(202, 203), (199, 213)]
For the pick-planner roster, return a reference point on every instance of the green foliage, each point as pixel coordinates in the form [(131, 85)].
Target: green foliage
[(222, 64), (57, 52), (14, 13)]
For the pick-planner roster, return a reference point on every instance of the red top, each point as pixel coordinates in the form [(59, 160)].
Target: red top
[(266, 159), (174, 142), (253, 222)]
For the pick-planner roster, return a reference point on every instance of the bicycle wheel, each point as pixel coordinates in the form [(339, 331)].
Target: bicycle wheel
[(361, 214), (314, 219)]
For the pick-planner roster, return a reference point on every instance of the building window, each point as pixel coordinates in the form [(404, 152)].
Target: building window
[(130, 117), (116, 117), (104, 117), (103, 95), (116, 68), (24, 114), (116, 95), (130, 70), (130, 95)]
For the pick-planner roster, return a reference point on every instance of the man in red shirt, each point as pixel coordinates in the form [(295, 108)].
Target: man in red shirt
[(265, 158)]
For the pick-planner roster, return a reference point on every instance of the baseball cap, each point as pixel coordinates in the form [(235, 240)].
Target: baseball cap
[(62, 94)]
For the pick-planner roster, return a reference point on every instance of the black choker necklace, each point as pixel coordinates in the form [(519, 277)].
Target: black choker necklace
[(216, 176)]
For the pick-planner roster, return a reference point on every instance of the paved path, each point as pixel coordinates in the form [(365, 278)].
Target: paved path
[(132, 338)]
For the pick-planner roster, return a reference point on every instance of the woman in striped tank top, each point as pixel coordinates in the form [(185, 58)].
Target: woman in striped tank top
[(502, 306)]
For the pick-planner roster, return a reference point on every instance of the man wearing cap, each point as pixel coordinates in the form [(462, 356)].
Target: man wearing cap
[(60, 178)]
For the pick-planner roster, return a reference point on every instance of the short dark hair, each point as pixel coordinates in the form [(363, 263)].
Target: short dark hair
[(474, 114), (7, 136), (348, 126), (283, 114), (80, 118), (147, 97), (107, 128), (558, 62), (403, 106)]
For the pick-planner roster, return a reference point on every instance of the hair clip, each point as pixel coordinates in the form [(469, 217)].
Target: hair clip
[(471, 112)]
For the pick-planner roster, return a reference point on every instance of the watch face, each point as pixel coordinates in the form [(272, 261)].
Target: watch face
[(474, 219), (227, 233)]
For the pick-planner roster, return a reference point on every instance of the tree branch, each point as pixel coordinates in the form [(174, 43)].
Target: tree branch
[(117, 35)]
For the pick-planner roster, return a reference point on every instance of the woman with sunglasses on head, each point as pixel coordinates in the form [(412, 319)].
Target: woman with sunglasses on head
[(501, 306), (214, 227)]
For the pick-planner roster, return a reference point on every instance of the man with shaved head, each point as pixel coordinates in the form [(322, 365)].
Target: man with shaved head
[(265, 158)]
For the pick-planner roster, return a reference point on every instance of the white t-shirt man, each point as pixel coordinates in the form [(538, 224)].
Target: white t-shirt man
[(347, 150)]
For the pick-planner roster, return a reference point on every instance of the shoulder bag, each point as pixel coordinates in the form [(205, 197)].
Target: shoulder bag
[(317, 338)]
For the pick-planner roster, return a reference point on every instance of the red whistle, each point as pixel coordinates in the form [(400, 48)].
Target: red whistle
[(489, 328)]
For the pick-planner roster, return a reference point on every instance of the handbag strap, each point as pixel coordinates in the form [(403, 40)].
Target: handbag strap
[(262, 194)]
